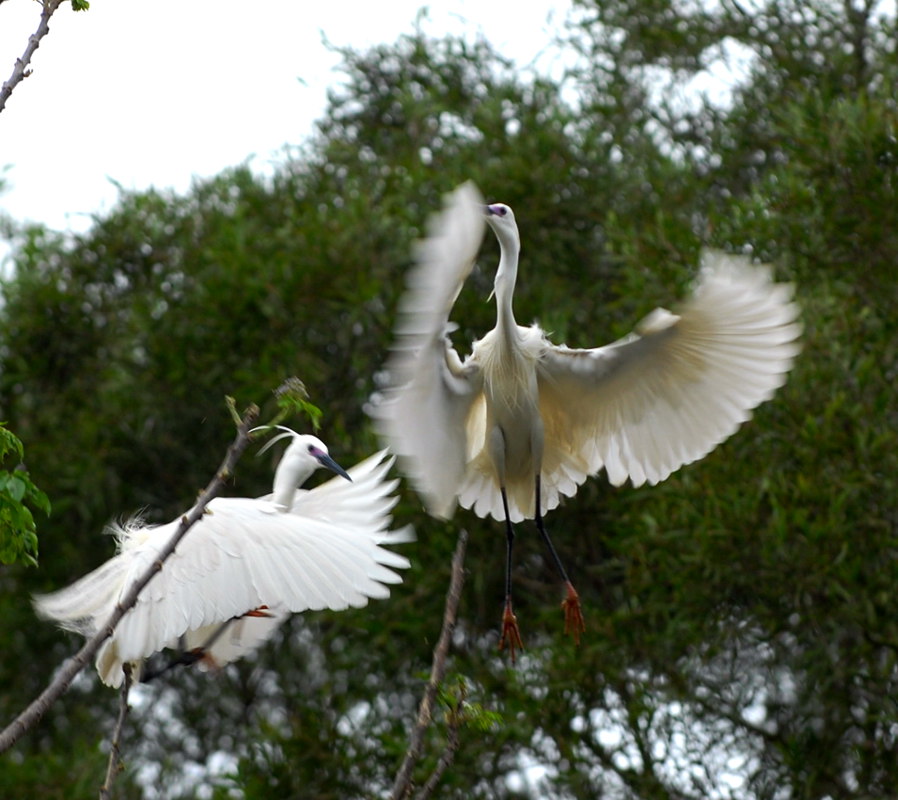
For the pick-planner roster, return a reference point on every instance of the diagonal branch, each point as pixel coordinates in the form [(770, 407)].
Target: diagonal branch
[(444, 762), (402, 785), (20, 70), (30, 716), (453, 739), (115, 750)]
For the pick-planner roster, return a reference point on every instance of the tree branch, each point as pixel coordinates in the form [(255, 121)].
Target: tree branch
[(20, 70), (446, 759), (402, 785), (30, 716), (115, 761)]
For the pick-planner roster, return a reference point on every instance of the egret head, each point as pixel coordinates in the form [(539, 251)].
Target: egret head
[(305, 454), (501, 219), (312, 448)]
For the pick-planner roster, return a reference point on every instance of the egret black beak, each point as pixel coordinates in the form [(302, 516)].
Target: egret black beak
[(326, 461), (488, 210)]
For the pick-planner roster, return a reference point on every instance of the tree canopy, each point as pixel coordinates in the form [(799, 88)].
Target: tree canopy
[(741, 637)]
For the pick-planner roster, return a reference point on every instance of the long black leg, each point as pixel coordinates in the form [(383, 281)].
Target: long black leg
[(511, 634), (573, 615), (509, 546), (187, 658), (541, 527)]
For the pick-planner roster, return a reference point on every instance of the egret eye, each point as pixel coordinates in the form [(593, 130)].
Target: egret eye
[(502, 211)]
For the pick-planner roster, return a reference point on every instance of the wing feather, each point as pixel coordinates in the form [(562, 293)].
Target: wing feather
[(669, 393), (328, 551), (431, 392)]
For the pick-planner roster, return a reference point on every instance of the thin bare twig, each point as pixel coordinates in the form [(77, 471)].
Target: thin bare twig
[(115, 751), (30, 716), (20, 71), (446, 758), (402, 785)]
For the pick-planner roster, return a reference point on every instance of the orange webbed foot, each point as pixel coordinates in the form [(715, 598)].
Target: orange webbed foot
[(511, 634), (573, 614)]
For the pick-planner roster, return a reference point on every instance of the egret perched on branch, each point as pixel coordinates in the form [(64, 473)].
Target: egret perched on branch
[(522, 422), (244, 566)]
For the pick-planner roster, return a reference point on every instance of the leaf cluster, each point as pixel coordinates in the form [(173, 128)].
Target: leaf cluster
[(18, 531)]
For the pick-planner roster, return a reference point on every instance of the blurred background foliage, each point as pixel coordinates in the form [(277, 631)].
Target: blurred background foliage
[(741, 635)]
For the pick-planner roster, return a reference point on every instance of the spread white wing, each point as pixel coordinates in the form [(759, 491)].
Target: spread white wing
[(326, 552), (431, 392), (669, 393)]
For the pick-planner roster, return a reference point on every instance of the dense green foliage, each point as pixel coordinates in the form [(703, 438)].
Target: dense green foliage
[(18, 531), (741, 636)]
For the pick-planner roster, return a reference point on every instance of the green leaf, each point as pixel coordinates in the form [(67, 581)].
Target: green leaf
[(293, 398), (15, 487), (18, 537), (9, 443)]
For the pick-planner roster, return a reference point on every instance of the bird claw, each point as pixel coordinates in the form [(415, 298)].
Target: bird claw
[(511, 634), (200, 655), (573, 614), (261, 611)]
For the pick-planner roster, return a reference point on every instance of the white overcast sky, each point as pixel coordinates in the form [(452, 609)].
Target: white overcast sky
[(153, 93)]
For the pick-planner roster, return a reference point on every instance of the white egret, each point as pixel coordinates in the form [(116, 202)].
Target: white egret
[(522, 422), (244, 566)]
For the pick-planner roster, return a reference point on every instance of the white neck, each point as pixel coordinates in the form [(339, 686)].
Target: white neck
[(291, 473), (506, 277)]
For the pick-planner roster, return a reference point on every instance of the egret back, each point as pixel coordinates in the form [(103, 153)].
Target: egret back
[(244, 554)]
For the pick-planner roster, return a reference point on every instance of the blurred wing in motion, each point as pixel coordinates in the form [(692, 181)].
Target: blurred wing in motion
[(432, 395)]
